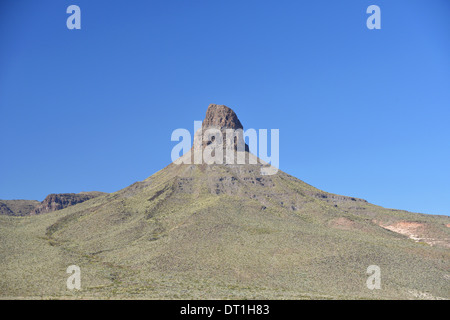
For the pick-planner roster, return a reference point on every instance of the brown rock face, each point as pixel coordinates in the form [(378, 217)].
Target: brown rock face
[(221, 117), (223, 120), (60, 201)]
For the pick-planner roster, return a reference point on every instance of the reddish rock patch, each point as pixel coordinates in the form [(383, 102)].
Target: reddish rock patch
[(416, 231), (344, 224)]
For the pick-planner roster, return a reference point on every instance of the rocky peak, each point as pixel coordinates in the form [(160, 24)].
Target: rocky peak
[(222, 117)]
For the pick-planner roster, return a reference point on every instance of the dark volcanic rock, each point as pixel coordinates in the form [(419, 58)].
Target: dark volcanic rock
[(54, 202)]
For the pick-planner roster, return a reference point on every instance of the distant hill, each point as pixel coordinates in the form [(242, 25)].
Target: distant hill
[(225, 232), (17, 207), (52, 202)]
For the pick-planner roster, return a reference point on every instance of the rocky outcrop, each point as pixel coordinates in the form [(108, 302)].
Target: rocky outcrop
[(54, 202), (221, 117), (4, 210), (51, 203), (17, 207)]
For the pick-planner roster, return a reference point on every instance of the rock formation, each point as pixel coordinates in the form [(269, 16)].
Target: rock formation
[(17, 207), (224, 231), (54, 202)]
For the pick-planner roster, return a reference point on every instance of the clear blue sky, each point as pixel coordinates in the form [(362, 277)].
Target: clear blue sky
[(364, 113)]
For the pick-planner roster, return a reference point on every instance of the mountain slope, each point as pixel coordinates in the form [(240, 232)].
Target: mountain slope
[(225, 231)]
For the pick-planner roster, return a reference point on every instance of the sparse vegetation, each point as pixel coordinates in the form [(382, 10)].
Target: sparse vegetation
[(190, 232)]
